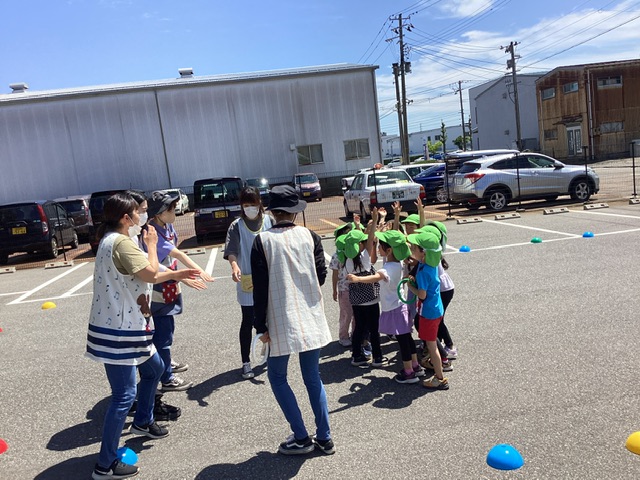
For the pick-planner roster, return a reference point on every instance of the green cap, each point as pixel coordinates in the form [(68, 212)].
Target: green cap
[(413, 218), (430, 229), (443, 230), (352, 242), (397, 241), (340, 248), (342, 229), (430, 243)]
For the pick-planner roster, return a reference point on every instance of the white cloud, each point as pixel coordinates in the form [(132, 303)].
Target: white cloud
[(465, 8)]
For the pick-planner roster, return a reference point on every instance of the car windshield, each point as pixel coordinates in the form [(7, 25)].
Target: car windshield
[(430, 171), (306, 178), (73, 206), (17, 213), (469, 167), (388, 178), (258, 182), (218, 192)]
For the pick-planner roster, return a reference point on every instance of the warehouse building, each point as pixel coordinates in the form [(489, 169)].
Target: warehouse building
[(169, 133)]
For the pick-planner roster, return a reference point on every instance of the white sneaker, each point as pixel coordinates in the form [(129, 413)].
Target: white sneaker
[(345, 342), (247, 372)]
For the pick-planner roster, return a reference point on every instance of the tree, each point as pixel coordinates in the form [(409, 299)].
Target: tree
[(434, 147), (443, 137), (461, 143)]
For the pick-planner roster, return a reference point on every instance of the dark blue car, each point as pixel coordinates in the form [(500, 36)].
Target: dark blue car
[(432, 179)]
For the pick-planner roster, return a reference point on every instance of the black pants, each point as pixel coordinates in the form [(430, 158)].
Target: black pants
[(443, 331), (367, 318), (407, 346), (246, 332)]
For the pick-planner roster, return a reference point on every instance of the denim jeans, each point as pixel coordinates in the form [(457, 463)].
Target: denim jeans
[(122, 379), (309, 365), (163, 339)]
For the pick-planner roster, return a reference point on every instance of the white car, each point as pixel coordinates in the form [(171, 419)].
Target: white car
[(347, 181), (182, 206), (381, 188)]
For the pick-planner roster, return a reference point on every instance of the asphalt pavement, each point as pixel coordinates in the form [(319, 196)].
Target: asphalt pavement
[(546, 332)]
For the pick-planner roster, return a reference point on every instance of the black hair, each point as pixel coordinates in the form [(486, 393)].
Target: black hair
[(343, 230), (137, 195), (251, 195), (116, 207), (445, 264)]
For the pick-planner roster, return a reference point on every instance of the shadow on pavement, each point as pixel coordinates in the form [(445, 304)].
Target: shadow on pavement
[(83, 434), (265, 466), (71, 468), (202, 390)]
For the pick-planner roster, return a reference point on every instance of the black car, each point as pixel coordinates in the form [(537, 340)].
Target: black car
[(262, 184), (96, 207), (432, 179), (78, 208), (35, 226)]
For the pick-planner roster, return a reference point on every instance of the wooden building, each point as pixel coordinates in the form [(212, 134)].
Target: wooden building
[(589, 110)]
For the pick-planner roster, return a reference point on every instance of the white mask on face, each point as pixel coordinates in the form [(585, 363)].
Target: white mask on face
[(143, 219), (251, 212), (134, 230)]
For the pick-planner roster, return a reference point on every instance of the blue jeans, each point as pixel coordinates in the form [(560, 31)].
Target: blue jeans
[(163, 339), (309, 365), (122, 379)]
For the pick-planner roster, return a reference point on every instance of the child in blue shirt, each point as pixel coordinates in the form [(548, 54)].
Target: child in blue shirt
[(426, 249)]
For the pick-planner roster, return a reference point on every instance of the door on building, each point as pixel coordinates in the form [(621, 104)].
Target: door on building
[(574, 140)]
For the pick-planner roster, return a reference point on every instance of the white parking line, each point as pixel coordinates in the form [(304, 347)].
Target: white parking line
[(588, 212), (212, 261), (45, 284), (10, 294), (77, 287), (531, 228)]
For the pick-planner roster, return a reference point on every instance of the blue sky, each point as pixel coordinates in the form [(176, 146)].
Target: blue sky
[(52, 44)]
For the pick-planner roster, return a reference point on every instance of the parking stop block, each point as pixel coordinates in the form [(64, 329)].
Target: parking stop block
[(592, 206), (196, 251), (8, 270), (551, 211), (469, 220), (68, 263), (505, 216), (634, 201)]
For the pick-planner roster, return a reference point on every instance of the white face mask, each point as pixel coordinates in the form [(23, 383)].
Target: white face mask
[(134, 230), (251, 212), (143, 219)]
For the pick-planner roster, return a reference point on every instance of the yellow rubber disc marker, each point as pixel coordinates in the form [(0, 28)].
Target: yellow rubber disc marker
[(48, 305), (633, 443)]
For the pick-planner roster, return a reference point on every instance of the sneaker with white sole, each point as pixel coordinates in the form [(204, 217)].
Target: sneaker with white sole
[(176, 384), (177, 367), (434, 383), (116, 470), (247, 371), (360, 361), (153, 430), (452, 353), (379, 362), (419, 371), (404, 377), (291, 446), (325, 446)]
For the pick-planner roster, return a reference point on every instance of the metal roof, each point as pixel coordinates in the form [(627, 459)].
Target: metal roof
[(30, 95)]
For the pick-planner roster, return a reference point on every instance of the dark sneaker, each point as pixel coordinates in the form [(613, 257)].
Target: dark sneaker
[(176, 384), (177, 367), (116, 470), (419, 371), (163, 411), (379, 362), (360, 361), (291, 446), (404, 377), (325, 446), (153, 430)]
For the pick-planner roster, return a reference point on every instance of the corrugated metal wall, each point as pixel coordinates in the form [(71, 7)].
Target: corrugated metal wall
[(58, 147)]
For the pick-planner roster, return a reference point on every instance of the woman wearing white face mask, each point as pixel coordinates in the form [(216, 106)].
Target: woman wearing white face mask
[(237, 251)]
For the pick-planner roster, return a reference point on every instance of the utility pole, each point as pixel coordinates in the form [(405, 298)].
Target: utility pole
[(403, 68), (464, 133), (511, 64), (399, 108)]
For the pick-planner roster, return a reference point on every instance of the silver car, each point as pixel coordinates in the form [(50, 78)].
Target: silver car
[(495, 181)]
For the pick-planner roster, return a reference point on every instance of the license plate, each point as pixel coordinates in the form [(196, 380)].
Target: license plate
[(220, 214), (18, 230), (307, 194), (396, 195)]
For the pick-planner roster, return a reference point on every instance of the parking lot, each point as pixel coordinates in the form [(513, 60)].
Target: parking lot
[(547, 338)]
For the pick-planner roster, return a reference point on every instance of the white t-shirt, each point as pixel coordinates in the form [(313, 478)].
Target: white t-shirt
[(446, 283), (389, 299)]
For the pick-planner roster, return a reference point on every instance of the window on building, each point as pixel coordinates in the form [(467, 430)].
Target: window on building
[(438, 137), (548, 93), (551, 134), (429, 138), (615, 81), (611, 127), (356, 149), (570, 87), (308, 154)]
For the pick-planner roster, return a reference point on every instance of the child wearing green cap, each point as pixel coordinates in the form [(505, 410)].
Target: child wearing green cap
[(426, 248), (341, 286)]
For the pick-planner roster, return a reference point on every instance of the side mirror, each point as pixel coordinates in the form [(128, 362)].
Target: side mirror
[(72, 222), (558, 165)]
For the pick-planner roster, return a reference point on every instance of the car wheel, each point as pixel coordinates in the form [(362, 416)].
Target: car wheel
[(75, 242), (580, 190), (497, 199), (441, 195), (53, 248), (363, 215), (347, 213), (4, 258)]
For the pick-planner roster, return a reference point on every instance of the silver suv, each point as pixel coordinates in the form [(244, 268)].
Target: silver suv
[(495, 181)]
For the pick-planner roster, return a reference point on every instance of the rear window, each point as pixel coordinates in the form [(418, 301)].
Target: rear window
[(306, 178), (388, 178), (469, 167), (217, 192), (73, 206), (18, 213)]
